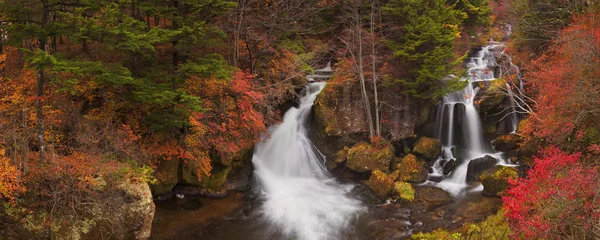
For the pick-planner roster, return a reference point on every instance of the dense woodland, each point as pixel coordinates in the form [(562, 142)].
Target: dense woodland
[(97, 92)]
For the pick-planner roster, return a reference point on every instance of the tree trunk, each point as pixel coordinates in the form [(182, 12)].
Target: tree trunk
[(374, 60), (40, 93), (362, 76)]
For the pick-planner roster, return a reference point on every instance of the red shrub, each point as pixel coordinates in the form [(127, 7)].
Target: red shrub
[(560, 198)]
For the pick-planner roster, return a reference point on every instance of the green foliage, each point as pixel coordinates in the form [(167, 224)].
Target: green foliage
[(425, 45)]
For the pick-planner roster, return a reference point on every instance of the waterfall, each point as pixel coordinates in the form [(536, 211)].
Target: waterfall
[(472, 143), (301, 199)]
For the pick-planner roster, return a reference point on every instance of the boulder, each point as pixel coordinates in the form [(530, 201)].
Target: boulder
[(506, 142), (339, 111), (381, 183), (364, 156), (428, 148), (412, 170), (449, 166), (432, 197), (477, 166), (403, 191), (495, 180)]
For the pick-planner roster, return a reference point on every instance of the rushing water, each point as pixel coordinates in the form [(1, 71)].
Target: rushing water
[(301, 199)]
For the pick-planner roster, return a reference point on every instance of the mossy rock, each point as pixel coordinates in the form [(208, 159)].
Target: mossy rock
[(381, 183), (166, 176), (412, 170), (428, 148), (364, 156), (495, 180), (341, 156), (506, 142), (403, 191), (216, 180)]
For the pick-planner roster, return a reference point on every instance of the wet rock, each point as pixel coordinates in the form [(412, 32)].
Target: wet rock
[(364, 156), (449, 166), (495, 180), (412, 170), (428, 148), (403, 191), (506, 142), (432, 197), (477, 166), (381, 183)]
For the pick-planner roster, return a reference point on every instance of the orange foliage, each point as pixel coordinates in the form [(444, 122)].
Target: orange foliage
[(230, 123), (10, 179)]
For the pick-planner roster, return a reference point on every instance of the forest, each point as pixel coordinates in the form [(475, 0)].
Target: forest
[(299, 119)]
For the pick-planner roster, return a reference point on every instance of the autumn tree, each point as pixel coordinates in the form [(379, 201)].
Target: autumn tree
[(564, 86)]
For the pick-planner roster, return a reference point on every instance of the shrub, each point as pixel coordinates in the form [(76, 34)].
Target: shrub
[(558, 200)]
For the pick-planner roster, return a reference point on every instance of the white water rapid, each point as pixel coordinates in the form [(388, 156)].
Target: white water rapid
[(301, 200)]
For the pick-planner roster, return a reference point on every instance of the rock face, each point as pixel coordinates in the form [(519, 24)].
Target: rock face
[(226, 174), (339, 111), (428, 148), (364, 156), (495, 181), (477, 166), (412, 170)]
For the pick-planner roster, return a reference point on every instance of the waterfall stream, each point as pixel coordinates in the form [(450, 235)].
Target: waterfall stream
[(301, 199), (451, 169)]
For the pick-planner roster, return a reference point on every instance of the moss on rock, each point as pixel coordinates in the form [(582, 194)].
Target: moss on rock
[(341, 156), (364, 156), (412, 170), (428, 148), (495, 181), (381, 183), (403, 191)]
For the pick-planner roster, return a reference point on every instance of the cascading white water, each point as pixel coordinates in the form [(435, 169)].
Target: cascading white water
[(472, 135), (301, 199)]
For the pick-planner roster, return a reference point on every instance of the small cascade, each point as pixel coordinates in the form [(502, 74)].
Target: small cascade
[(301, 199), (514, 118)]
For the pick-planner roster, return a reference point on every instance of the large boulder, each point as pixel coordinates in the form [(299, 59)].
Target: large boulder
[(339, 111), (506, 142), (381, 183), (477, 166), (432, 197), (412, 170), (428, 148), (365, 156), (495, 180)]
